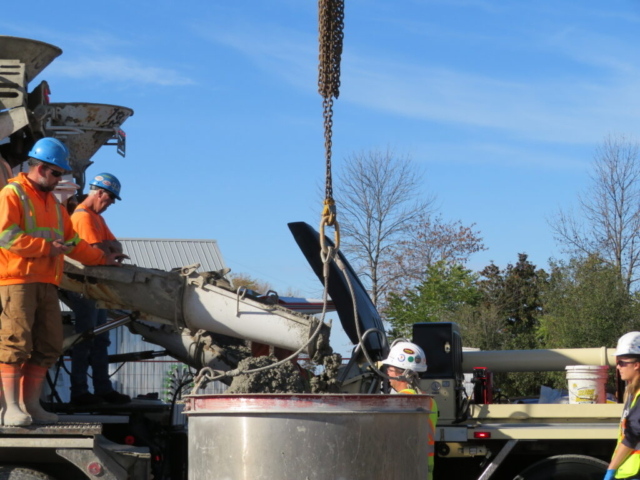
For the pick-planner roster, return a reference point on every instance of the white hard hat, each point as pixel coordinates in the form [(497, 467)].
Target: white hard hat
[(407, 355), (629, 344)]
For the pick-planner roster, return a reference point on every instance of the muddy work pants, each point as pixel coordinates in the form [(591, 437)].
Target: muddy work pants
[(30, 324)]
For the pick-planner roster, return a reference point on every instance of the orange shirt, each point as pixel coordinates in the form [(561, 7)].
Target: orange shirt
[(90, 225), (24, 254)]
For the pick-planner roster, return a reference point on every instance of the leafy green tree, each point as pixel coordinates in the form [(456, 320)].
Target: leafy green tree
[(516, 292), (508, 317), (444, 291), (481, 326), (587, 305)]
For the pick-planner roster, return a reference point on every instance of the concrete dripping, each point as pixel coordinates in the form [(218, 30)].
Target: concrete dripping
[(319, 376)]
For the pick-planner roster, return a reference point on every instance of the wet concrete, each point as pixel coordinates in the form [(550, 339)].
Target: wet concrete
[(285, 378), (288, 377), (326, 382)]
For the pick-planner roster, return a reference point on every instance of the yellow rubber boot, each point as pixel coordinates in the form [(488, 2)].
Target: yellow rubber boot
[(12, 414), (32, 379)]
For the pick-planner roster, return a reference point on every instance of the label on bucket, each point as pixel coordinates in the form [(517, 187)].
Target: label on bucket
[(587, 383), (584, 393)]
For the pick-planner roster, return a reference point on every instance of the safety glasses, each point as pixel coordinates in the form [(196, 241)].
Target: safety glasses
[(623, 363), (55, 173)]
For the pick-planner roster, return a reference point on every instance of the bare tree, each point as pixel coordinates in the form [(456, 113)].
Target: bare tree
[(379, 197), (428, 240), (608, 219)]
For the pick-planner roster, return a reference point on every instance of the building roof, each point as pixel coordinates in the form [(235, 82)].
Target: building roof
[(166, 254)]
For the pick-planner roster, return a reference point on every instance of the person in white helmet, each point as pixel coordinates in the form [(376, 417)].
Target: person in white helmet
[(625, 462), (405, 362)]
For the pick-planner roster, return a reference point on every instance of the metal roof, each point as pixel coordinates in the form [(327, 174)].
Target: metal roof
[(165, 254)]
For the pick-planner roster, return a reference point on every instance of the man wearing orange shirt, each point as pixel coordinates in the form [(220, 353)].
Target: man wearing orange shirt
[(35, 234), (88, 222)]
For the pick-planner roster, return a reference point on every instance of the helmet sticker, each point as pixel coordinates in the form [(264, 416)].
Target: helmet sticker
[(401, 358), (410, 359), (409, 351), (418, 359), (106, 183), (99, 178)]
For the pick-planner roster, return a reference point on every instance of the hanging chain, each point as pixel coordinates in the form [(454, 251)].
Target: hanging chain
[(331, 25)]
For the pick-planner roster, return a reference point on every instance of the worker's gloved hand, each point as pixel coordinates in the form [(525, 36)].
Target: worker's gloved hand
[(115, 259), (610, 475), (58, 247)]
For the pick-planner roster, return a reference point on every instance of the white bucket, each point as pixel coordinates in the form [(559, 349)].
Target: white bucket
[(586, 383)]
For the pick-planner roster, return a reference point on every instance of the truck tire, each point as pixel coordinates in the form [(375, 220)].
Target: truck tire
[(565, 467), (21, 473)]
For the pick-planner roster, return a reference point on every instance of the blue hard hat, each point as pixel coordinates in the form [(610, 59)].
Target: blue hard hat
[(107, 182), (53, 151)]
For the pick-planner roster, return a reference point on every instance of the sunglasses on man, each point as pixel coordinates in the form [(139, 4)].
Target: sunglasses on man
[(112, 197), (55, 173)]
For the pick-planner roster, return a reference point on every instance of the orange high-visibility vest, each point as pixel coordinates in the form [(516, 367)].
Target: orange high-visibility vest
[(90, 225), (29, 222)]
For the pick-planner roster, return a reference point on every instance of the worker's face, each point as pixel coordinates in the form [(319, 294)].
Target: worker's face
[(397, 385), (49, 176), (628, 367), (105, 200)]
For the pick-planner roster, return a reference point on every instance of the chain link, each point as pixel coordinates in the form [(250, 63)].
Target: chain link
[(331, 25)]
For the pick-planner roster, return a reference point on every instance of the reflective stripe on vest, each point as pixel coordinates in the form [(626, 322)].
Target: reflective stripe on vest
[(433, 418), (8, 236), (631, 465)]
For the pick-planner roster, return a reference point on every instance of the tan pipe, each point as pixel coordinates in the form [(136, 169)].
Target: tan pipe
[(537, 360)]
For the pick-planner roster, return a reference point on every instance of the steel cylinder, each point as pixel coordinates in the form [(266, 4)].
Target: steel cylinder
[(537, 360), (308, 437)]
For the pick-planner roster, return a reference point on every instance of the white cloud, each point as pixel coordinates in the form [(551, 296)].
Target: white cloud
[(283, 52), (566, 108), (570, 110), (112, 68), (87, 55)]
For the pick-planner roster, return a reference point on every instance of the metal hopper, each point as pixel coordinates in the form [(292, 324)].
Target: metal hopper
[(21, 60), (84, 128), (35, 55)]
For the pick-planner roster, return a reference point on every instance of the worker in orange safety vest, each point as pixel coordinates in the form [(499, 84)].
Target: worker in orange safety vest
[(35, 234), (87, 220), (404, 362)]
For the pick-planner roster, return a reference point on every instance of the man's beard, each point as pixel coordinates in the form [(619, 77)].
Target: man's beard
[(43, 186)]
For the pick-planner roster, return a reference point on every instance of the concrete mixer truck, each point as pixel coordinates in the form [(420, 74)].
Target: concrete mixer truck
[(201, 320)]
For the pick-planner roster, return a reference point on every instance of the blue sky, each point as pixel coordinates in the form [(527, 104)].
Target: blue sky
[(502, 104)]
